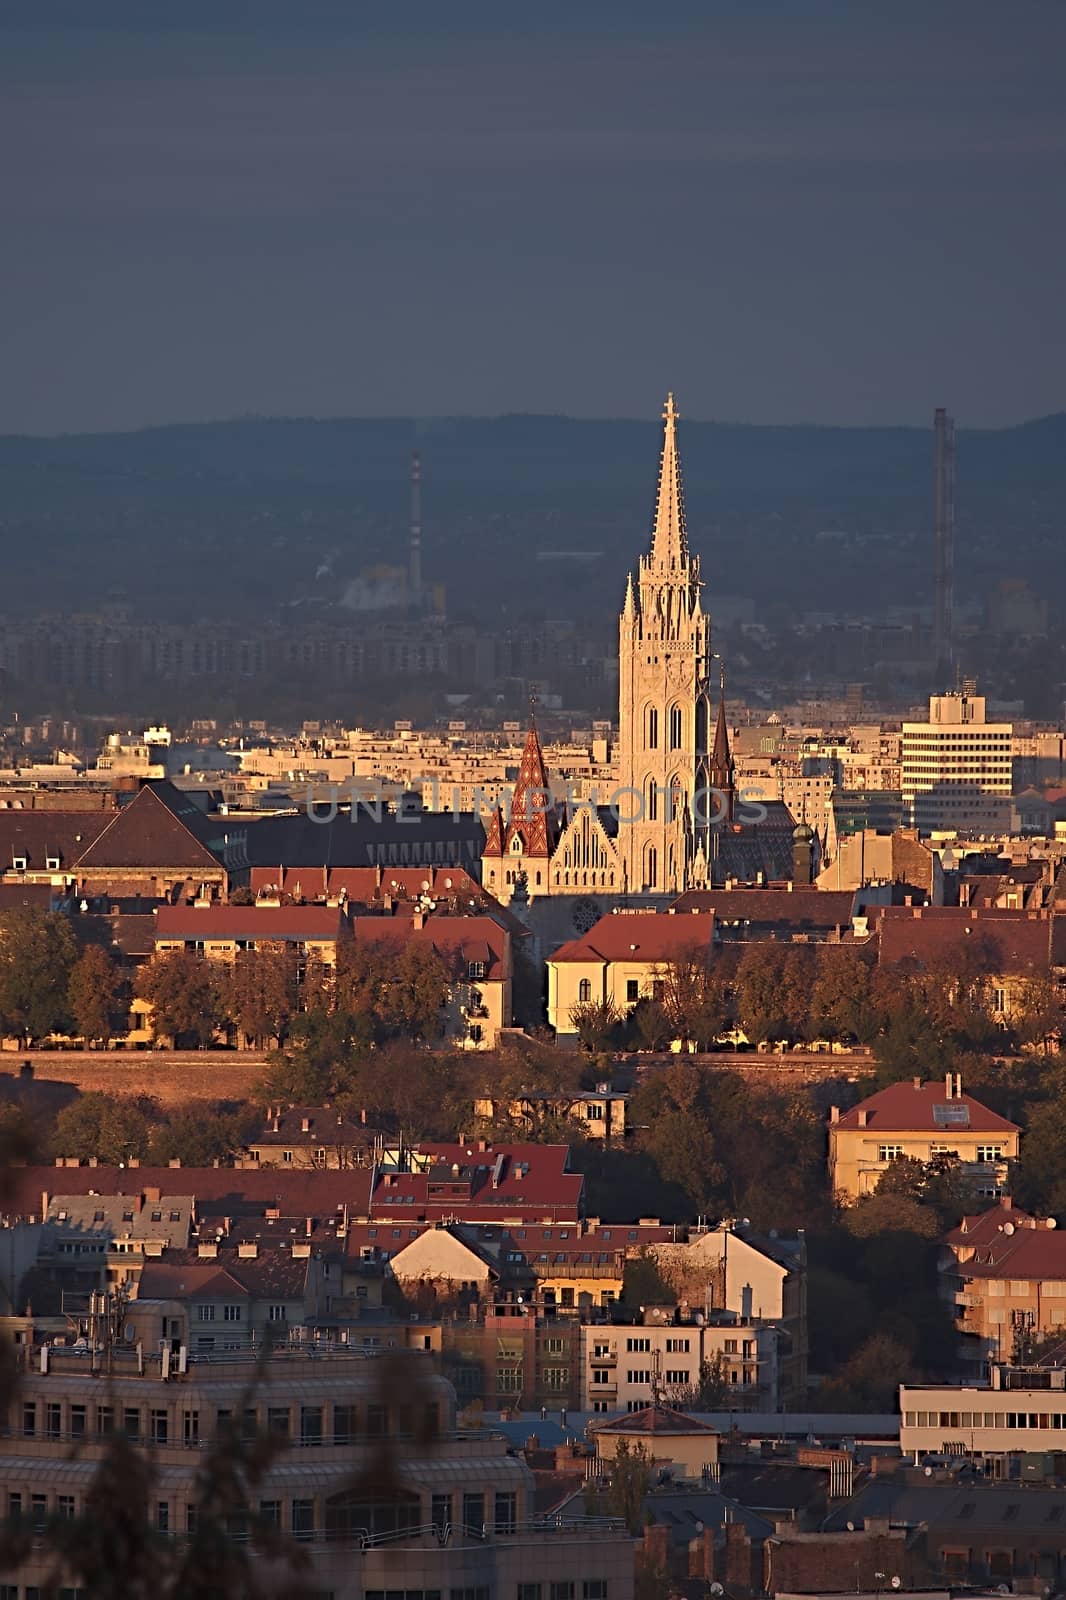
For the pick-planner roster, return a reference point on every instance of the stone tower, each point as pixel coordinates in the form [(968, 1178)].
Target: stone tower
[(518, 848), (664, 646)]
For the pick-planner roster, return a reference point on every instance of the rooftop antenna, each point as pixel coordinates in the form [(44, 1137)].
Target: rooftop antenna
[(944, 549), (415, 558)]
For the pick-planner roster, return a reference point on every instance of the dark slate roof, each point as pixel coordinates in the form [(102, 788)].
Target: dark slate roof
[(349, 840), (41, 835), (981, 1506), (150, 831)]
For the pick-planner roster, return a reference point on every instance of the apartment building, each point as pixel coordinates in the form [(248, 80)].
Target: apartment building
[(623, 959), (923, 1121), (957, 768), (627, 1368), (1020, 1412), (1005, 1273), (453, 1513), (222, 932)]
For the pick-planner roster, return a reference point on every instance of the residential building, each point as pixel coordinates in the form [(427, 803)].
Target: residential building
[(923, 1121), (626, 1367), (1005, 1273), (1019, 1413), (957, 773), (457, 1516), (680, 1444), (309, 1136), (476, 952), (222, 932), (623, 959), (599, 1114), (1004, 952)]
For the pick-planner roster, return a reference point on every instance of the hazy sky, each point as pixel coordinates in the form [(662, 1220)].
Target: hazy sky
[(800, 211)]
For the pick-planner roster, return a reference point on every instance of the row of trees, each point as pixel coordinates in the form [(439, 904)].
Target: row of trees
[(793, 993)]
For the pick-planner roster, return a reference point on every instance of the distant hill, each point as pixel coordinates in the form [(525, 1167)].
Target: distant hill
[(236, 518)]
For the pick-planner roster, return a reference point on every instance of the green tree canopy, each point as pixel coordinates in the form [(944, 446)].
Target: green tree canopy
[(38, 952)]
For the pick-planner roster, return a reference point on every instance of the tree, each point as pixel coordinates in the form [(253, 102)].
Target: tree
[(844, 1000), (773, 991), (38, 951), (93, 989), (111, 1130), (596, 1023), (259, 992), (870, 1380), (199, 1137), (693, 1001), (709, 1390), (631, 1474), (183, 991)]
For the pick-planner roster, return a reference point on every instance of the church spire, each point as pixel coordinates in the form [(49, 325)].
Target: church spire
[(532, 812), (723, 768), (629, 610), (669, 545)]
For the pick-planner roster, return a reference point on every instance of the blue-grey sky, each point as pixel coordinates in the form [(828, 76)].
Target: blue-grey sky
[(786, 210)]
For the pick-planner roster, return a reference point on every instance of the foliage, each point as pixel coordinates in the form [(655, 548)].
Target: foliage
[(708, 1392), (259, 992), (870, 1379), (199, 1136), (773, 991), (183, 991), (694, 1000), (92, 992), (597, 1024), (631, 1476), (111, 1130), (38, 951)]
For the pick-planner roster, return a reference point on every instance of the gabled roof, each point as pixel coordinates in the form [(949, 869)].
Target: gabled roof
[(41, 836), (821, 909), (457, 940), (641, 936), (924, 1108), (150, 832), (169, 1280)]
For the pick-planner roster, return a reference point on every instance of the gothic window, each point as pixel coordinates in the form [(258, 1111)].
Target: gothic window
[(651, 867), (651, 801), (584, 991), (652, 741), (701, 724), (677, 797), (675, 727)]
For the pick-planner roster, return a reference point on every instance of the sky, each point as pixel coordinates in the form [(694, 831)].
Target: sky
[(784, 210)]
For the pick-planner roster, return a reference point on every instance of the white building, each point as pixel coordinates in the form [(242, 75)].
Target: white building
[(957, 768), (1022, 1411)]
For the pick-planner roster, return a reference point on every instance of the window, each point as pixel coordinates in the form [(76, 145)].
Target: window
[(652, 727), (505, 1518), (509, 1380), (473, 1512), (561, 1591), (675, 727), (77, 1422), (105, 1419), (29, 1419), (131, 1422), (191, 1427), (584, 995), (678, 1375), (528, 1591), (601, 1375), (303, 1519), (344, 1424), (556, 1378), (310, 1424), (377, 1421), (205, 1313), (475, 971), (278, 1421), (14, 1505), (65, 1506), (157, 1421), (276, 1314), (231, 1313), (989, 1152), (54, 1421), (632, 990), (638, 1375), (678, 1347), (39, 1511), (441, 1512), (594, 1589), (162, 1516), (638, 1344), (889, 1152), (270, 1513)]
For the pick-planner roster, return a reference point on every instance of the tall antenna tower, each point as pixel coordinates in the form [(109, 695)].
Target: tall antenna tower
[(414, 573), (944, 551)]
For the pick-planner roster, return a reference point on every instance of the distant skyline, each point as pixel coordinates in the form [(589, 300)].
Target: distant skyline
[(785, 211)]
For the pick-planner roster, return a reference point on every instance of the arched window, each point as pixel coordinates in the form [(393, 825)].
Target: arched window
[(538, 880), (651, 801), (652, 733), (675, 727), (677, 797), (584, 991), (651, 867), (701, 724)]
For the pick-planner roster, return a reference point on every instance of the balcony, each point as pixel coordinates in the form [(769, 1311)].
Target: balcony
[(604, 1355)]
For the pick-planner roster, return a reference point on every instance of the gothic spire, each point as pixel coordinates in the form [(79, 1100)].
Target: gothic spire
[(723, 768), (669, 545), (532, 813), (629, 610)]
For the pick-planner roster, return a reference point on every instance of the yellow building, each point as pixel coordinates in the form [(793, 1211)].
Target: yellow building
[(599, 1113), (626, 957), (923, 1121), (221, 932)]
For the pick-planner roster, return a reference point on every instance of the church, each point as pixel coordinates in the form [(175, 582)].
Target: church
[(671, 823)]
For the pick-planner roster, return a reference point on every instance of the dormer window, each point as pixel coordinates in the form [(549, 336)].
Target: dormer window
[(52, 863), (19, 863), (475, 971)]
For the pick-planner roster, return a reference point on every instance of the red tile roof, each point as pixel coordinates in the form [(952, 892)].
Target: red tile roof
[(988, 1225), (770, 908), (366, 884), (457, 940), (1017, 943), (642, 936), (219, 1191), (43, 835), (316, 923), (907, 1108), (1024, 1253)]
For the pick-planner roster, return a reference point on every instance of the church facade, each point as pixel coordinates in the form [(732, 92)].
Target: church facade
[(674, 788)]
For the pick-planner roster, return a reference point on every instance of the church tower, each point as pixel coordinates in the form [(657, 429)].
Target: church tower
[(664, 646), (519, 848)]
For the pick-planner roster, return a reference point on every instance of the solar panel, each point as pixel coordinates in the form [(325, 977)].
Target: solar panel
[(951, 1116)]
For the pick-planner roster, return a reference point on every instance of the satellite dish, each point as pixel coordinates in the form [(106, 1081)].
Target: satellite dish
[(896, 1580), (850, 1527), (1051, 1223), (1008, 1227), (929, 1472), (716, 1589)]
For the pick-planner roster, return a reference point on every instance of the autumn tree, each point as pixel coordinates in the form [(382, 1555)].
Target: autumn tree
[(773, 991), (844, 1002), (709, 1389), (199, 1136), (259, 992), (92, 994), (597, 1024), (100, 1126), (183, 990), (631, 1475), (38, 952), (693, 1000)]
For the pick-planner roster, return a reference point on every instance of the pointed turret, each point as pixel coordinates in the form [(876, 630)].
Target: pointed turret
[(494, 834), (629, 610), (531, 807), (669, 544), (723, 768)]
